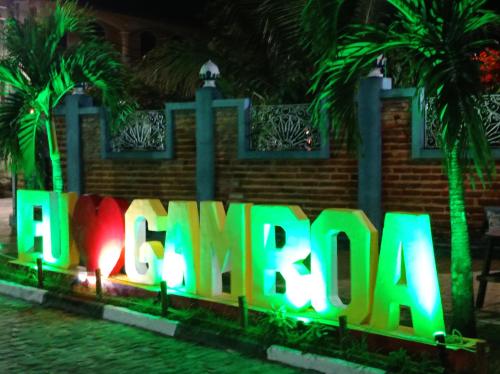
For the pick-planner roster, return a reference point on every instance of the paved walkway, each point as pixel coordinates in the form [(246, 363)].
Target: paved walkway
[(34, 339)]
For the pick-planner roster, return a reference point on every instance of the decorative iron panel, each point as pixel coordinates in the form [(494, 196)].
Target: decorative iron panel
[(145, 131), (490, 113), (282, 128)]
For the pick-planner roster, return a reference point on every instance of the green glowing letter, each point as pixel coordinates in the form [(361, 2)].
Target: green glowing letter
[(363, 238), (224, 242), (268, 258), (181, 261), (407, 276), (52, 227), (143, 259)]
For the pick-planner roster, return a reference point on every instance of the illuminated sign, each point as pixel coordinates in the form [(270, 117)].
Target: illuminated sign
[(99, 230), (202, 244)]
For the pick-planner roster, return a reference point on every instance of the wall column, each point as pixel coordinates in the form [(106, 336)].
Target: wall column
[(74, 155), (370, 149), (205, 143)]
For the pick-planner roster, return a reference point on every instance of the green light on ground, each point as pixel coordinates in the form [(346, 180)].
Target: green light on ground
[(304, 320)]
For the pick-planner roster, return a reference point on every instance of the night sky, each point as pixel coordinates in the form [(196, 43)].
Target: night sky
[(175, 10), (182, 11)]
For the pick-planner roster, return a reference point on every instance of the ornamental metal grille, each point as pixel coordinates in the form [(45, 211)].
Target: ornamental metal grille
[(490, 113), (145, 131), (282, 128)]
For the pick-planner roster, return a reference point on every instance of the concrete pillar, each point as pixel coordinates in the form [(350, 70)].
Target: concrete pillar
[(205, 143), (73, 141), (370, 149)]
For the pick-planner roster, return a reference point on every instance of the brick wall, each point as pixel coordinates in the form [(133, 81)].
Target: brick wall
[(163, 179), (314, 185), (420, 185), (311, 184)]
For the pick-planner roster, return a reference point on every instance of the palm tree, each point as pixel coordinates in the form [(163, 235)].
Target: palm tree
[(258, 45), (38, 71), (439, 40), (254, 53)]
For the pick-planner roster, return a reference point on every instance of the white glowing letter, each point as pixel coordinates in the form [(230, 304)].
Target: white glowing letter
[(363, 238), (270, 258), (225, 241), (143, 259)]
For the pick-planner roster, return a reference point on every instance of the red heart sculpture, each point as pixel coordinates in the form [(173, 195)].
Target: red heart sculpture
[(84, 217), (100, 232)]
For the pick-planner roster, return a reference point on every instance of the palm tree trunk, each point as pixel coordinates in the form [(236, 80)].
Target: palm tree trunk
[(461, 269), (55, 157)]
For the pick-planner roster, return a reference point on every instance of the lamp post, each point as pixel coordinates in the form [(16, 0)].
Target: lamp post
[(209, 73)]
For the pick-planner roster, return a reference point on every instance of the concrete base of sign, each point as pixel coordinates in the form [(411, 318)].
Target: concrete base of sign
[(315, 362)]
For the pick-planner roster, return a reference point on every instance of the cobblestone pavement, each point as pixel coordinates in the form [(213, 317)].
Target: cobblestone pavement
[(39, 340)]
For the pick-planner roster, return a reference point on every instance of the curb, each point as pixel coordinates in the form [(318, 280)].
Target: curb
[(163, 326), (143, 321), (322, 364), (31, 294)]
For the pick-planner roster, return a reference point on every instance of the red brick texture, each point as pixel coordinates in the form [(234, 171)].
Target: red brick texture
[(165, 180), (420, 185), (408, 185), (311, 184)]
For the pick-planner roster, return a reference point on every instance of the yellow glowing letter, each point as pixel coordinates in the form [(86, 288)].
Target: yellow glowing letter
[(269, 258), (181, 261), (66, 209), (143, 259), (224, 243), (407, 276), (363, 238)]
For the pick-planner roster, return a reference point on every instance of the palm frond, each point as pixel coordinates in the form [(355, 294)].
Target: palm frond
[(320, 22), (9, 127), (30, 126), (255, 43), (438, 41), (174, 66), (98, 63), (13, 76), (279, 22), (40, 71), (335, 82)]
